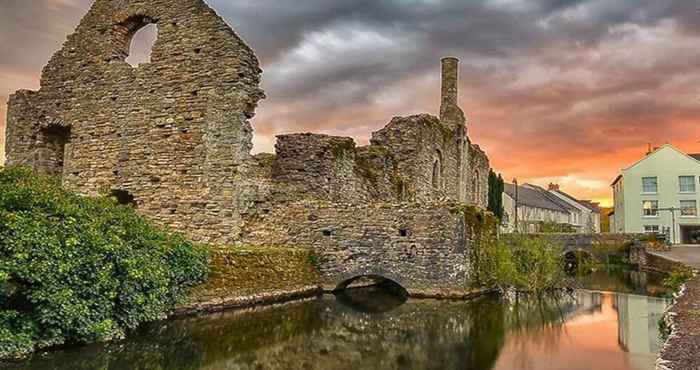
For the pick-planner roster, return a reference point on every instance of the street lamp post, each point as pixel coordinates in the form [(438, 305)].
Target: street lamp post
[(673, 221)]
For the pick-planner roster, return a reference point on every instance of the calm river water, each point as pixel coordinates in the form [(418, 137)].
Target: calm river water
[(366, 329)]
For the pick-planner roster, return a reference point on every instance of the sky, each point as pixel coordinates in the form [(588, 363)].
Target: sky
[(565, 91)]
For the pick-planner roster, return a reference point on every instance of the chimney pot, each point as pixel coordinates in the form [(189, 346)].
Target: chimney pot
[(553, 186)]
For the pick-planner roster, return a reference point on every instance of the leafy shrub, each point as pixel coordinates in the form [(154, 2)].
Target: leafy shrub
[(526, 263), (77, 270), (679, 276)]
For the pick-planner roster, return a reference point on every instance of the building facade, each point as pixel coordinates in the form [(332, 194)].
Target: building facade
[(585, 214), (659, 194), (532, 209)]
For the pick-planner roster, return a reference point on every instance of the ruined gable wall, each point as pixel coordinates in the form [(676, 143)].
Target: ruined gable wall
[(174, 133), (417, 142)]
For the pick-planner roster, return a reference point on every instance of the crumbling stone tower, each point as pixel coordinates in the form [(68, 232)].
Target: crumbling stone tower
[(172, 136)]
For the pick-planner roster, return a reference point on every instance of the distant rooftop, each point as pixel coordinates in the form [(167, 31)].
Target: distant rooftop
[(532, 197)]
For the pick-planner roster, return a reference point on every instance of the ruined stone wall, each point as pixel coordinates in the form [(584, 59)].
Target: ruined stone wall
[(478, 178), (427, 154), (312, 166), (419, 246), (173, 133)]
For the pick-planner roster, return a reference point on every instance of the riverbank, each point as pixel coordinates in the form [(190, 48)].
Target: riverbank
[(243, 277), (682, 349), (371, 329)]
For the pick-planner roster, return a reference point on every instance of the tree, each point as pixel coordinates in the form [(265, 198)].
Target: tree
[(496, 188)]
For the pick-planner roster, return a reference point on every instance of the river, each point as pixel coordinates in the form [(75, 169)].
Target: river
[(613, 326)]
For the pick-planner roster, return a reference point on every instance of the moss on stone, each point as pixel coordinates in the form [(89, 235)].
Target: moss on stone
[(247, 270)]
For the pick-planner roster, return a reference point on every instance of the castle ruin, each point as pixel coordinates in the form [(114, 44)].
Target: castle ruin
[(173, 138)]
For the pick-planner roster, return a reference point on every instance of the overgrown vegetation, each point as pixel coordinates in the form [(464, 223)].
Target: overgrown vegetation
[(77, 270), (550, 227), (676, 278), (525, 263)]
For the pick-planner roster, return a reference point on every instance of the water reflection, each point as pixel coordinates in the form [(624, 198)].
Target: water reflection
[(373, 299), (587, 330)]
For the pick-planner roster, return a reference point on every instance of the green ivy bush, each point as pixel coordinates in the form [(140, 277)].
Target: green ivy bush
[(78, 270), (525, 263)]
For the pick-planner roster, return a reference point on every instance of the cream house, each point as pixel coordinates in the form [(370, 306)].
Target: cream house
[(531, 207), (659, 194)]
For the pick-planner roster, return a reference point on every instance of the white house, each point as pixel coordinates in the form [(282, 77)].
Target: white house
[(659, 194), (587, 214), (532, 209), (537, 207)]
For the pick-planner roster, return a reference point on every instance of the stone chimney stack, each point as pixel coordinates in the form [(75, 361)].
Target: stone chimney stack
[(450, 83), (553, 187)]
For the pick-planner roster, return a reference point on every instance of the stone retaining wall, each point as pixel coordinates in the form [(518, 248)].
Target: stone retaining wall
[(241, 277)]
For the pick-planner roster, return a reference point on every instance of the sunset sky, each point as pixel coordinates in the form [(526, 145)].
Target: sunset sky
[(566, 91)]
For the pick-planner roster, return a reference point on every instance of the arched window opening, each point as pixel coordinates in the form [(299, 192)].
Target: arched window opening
[(437, 171), (141, 43)]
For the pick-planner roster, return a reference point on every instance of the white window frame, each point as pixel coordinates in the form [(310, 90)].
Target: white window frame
[(680, 185), (695, 208), (647, 227), (644, 210), (656, 179)]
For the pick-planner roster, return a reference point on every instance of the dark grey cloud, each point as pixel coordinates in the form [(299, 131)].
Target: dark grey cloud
[(570, 79)]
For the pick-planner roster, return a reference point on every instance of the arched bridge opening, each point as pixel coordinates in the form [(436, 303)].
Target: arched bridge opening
[(371, 294), (576, 260)]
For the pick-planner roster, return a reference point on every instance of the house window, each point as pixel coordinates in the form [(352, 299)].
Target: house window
[(689, 208), (687, 184), (650, 185), (651, 229), (650, 208)]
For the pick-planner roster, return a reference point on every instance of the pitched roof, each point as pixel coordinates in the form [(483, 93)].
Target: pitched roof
[(595, 207), (695, 156), (531, 197), (586, 203)]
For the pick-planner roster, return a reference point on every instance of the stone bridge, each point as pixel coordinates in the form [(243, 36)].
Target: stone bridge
[(599, 245), (425, 249)]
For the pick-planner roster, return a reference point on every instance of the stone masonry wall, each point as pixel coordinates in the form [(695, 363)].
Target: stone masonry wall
[(419, 246), (427, 154), (478, 178), (173, 133)]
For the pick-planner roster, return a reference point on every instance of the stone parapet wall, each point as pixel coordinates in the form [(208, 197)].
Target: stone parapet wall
[(584, 241)]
